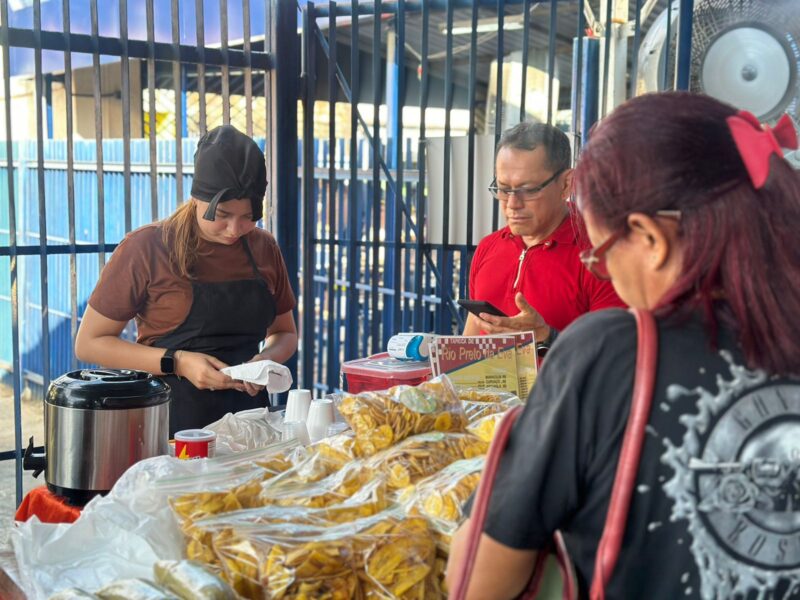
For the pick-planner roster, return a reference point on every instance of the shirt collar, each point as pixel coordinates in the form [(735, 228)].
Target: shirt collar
[(564, 234)]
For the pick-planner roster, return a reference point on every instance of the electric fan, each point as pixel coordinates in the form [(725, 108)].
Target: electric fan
[(744, 52)]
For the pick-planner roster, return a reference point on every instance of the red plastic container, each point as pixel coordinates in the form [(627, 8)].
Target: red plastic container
[(380, 372)]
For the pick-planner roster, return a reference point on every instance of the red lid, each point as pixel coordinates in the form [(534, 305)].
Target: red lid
[(383, 365)]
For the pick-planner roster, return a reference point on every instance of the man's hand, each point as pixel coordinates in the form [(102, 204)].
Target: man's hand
[(203, 370), (526, 320)]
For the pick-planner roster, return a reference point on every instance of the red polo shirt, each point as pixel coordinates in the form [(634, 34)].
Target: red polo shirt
[(550, 275)]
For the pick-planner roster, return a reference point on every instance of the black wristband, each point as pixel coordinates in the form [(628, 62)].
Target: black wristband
[(168, 365), (543, 346)]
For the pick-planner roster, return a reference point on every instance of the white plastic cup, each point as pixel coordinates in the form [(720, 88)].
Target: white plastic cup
[(295, 430), (297, 405), (336, 398), (320, 416)]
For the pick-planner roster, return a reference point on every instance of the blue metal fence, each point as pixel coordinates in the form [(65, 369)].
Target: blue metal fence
[(61, 317)]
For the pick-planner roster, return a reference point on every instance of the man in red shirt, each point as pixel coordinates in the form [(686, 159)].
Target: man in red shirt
[(531, 269)]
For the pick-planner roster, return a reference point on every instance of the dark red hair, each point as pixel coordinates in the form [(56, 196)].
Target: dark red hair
[(674, 151)]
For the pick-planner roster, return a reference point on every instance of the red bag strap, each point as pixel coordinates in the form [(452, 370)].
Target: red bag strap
[(631, 452), (480, 506), (611, 540)]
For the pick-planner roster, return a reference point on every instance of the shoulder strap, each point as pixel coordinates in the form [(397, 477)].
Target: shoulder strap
[(250, 257), (611, 540), (630, 453), (480, 505)]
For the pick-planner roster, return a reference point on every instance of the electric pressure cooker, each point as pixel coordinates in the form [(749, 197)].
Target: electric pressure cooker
[(98, 422)]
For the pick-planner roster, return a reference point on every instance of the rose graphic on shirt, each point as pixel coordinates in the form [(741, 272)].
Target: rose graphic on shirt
[(735, 494), (736, 482)]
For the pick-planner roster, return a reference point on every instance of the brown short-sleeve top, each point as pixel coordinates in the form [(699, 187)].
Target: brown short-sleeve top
[(137, 282)]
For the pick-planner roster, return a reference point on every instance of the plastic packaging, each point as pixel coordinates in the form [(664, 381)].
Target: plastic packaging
[(469, 394), (246, 430), (409, 346), (235, 488), (381, 419), (73, 594), (441, 497), (134, 589), (368, 501), (478, 410), (484, 427), (190, 581), (296, 430), (421, 456), (385, 556), (301, 486), (122, 534)]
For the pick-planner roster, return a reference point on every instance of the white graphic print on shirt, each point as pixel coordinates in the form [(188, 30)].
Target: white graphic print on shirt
[(737, 482)]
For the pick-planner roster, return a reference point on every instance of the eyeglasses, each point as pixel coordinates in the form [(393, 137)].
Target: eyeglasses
[(594, 259), (526, 193)]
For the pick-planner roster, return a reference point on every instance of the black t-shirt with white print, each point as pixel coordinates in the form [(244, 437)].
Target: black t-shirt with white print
[(716, 510)]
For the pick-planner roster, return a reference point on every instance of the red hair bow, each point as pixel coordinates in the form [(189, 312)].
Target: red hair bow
[(756, 144)]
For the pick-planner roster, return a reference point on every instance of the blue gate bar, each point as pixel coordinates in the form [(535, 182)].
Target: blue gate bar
[(526, 30), (472, 130), (201, 62), (421, 205), (226, 72), (551, 60), (668, 47), (332, 371), (283, 102), (375, 197), (13, 266), (351, 344), (40, 182), (683, 72), (68, 100), (151, 95), (126, 100), (248, 72), (309, 80), (177, 82)]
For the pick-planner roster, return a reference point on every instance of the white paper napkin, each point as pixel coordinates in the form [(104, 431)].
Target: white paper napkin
[(274, 376)]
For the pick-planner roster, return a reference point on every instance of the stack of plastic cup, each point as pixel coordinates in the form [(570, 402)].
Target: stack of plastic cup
[(295, 430), (297, 405), (320, 416)]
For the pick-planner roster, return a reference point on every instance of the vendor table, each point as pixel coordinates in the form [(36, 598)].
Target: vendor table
[(47, 506)]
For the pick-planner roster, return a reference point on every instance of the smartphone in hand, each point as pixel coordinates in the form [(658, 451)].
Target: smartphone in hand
[(476, 307)]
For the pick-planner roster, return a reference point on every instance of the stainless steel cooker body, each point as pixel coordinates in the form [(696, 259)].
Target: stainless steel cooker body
[(90, 449), (99, 422)]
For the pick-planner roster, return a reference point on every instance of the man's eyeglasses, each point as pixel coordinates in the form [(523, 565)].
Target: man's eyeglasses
[(594, 259), (525, 193)]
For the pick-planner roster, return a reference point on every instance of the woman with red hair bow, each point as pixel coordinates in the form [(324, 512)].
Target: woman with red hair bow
[(694, 215)]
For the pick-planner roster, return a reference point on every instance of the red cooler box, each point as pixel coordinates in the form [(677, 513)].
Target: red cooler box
[(380, 372)]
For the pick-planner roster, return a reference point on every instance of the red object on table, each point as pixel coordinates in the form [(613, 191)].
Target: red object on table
[(380, 372), (47, 506)]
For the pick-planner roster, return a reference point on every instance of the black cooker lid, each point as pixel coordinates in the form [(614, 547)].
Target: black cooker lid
[(108, 389)]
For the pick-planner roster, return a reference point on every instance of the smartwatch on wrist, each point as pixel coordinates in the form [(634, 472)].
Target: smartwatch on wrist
[(168, 362), (543, 346)]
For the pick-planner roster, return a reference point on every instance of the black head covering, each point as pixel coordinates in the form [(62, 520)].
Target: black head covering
[(228, 165)]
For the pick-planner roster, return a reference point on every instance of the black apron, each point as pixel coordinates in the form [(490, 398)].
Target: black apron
[(228, 320)]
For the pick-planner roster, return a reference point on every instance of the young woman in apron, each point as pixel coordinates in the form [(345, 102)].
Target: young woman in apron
[(205, 287)]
